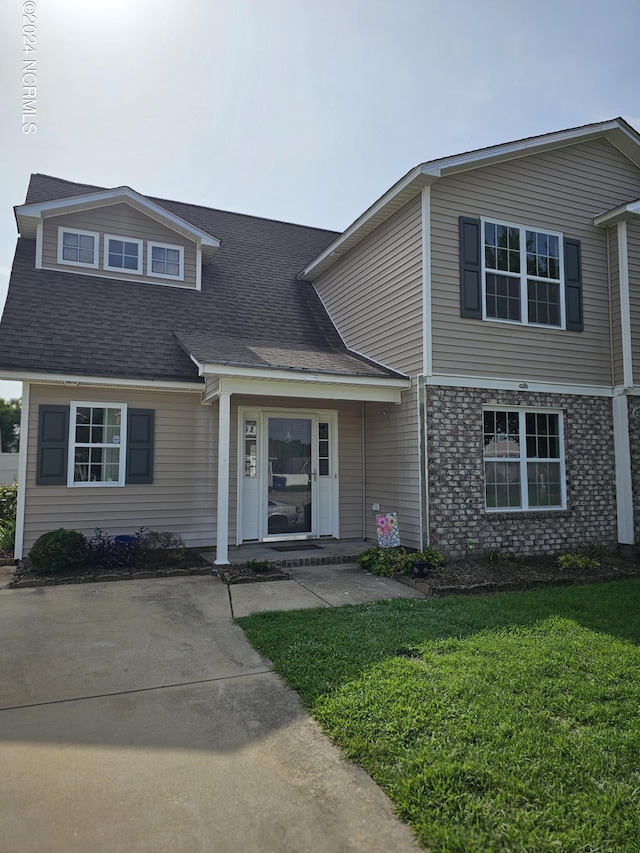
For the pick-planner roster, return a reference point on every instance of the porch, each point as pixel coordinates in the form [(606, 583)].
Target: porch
[(313, 552)]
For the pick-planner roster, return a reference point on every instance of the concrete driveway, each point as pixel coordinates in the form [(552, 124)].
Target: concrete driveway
[(135, 716)]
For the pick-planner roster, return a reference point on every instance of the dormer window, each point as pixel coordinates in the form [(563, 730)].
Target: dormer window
[(165, 261), (122, 254), (79, 248)]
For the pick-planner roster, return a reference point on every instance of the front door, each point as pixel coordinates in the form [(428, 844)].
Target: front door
[(291, 476), (288, 467)]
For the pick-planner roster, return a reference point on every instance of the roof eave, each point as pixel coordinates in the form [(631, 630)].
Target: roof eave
[(226, 368), (617, 131), (28, 214), (624, 212), (402, 192)]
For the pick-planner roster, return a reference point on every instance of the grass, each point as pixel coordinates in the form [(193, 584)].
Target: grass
[(497, 723)]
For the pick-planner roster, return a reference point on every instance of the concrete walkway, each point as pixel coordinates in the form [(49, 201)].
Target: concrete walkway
[(135, 716)]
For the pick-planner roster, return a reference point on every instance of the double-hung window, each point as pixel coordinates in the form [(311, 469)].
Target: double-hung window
[(78, 248), (523, 459), (97, 444), (522, 274), (122, 254)]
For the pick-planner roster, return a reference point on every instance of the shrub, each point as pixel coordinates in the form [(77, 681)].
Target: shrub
[(498, 556), (58, 551), (386, 562), (577, 561), (7, 535), (161, 546), (258, 566), (8, 501), (115, 552)]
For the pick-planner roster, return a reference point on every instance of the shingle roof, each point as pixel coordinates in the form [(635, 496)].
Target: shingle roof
[(251, 310)]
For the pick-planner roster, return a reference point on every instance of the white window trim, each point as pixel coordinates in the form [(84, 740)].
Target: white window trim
[(522, 460), (122, 270), (62, 230), (153, 244), (72, 445), (524, 308)]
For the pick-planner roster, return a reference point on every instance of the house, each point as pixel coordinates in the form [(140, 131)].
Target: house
[(464, 355)]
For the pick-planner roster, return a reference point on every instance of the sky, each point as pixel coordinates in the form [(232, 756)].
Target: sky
[(300, 110)]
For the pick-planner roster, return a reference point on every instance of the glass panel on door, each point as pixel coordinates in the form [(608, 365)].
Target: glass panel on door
[(289, 480)]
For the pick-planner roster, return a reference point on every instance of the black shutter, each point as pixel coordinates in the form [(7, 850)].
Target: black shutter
[(140, 426), (53, 445), (573, 285), (470, 268)]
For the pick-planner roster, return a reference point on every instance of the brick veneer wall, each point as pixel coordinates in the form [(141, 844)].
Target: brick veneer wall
[(634, 442), (459, 524)]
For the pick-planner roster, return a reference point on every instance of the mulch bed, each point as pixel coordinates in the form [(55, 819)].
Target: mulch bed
[(480, 576), (154, 566), (472, 576)]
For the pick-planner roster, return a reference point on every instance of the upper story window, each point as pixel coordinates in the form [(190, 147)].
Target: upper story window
[(522, 274), (165, 261), (122, 254), (513, 273), (79, 248)]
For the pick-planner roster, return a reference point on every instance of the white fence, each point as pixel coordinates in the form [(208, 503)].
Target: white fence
[(8, 467)]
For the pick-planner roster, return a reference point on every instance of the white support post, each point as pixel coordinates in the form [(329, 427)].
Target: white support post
[(22, 470), (224, 430), (624, 493)]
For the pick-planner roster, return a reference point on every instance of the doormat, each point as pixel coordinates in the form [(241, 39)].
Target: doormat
[(298, 546)]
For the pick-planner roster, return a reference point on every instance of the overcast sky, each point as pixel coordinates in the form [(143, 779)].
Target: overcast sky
[(300, 110)]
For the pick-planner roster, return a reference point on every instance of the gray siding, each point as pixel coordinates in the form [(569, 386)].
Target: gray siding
[(559, 190), (633, 240), (181, 497), (374, 293), (120, 220), (393, 466)]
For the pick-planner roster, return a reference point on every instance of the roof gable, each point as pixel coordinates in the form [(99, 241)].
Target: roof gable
[(29, 215), (616, 131)]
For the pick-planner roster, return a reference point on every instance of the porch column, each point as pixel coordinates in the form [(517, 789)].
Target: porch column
[(224, 421)]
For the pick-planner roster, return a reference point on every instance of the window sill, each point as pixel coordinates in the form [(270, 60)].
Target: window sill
[(547, 512)]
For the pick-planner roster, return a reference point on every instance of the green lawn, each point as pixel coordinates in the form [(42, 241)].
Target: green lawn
[(508, 722)]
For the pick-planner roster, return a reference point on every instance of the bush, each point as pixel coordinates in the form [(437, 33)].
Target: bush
[(259, 566), (112, 553), (162, 545), (8, 501), (58, 551), (163, 539), (386, 562), (577, 561), (7, 535)]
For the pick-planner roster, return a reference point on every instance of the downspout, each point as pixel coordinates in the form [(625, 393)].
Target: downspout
[(364, 475), (427, 363), (22, 470), (620, 405), (424, 461)]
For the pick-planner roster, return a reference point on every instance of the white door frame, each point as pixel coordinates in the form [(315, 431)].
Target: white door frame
[(261, 415)]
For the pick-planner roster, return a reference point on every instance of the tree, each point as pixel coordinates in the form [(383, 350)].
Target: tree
[(9, 425)]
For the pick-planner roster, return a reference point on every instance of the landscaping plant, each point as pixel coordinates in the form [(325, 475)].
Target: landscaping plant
[(577, 561), (258, 566), (386, 562), (58, 551)]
